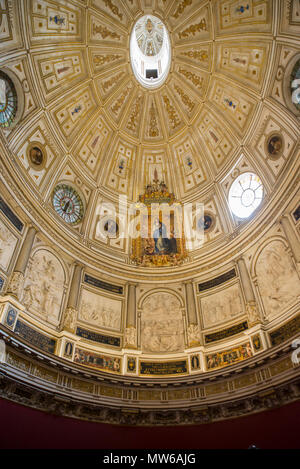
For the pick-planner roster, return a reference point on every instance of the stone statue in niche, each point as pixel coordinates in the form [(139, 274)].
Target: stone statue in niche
[(194, 334), (130, 336), (100, 310), (277, 279), (162, 324), (221, 306), (44, 286), (7, 246)]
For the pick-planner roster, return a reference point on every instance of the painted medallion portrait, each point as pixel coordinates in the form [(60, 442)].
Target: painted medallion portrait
[(275, 146)]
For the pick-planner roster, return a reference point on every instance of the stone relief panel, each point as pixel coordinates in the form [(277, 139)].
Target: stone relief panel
[(235, 16), (235, 105), (193, 77), (173, 119), (290, 16), (8, 25), (162, 324), (104, 59), (43, 289), (39, 137), (114, 9), (8, 242), (72, 113), (118, 171), (99, 310), (274, 143), (51, 20), (153, 129), (221, 306), (196, 29), (189, 165), (199, 55), (277, 279), (244, 63), (217, 137), (59, 70), (91, 148), (100, 30)]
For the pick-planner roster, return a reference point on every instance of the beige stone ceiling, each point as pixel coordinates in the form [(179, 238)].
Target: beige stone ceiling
[(83, 104)]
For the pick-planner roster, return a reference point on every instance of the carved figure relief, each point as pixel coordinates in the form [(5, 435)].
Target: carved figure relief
[(100, 310), (7, 246), (161, 324), (278, 281), (221, 306), (44, 286)]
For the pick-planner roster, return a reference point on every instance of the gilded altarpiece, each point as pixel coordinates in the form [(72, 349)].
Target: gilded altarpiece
[(160, 240)]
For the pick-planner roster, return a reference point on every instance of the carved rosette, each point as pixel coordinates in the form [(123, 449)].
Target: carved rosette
[(130, 337), (15, 286), (69, 323), (193, 335), (253, 313)]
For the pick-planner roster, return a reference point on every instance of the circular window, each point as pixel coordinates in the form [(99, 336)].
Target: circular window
[(67, 203), (150, 51), (245, 194), (295, 85), (8, 100)]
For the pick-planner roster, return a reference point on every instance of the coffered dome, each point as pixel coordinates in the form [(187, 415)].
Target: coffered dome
[(107, 106)]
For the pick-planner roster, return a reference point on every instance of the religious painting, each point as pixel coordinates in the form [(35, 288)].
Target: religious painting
[(161, 237), (68, 349), (195, 362), (228, 357), (11, 317), (131, 365), (94, 360), (256, 342)]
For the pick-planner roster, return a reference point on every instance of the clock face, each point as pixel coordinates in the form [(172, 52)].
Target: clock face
[(67, 203)]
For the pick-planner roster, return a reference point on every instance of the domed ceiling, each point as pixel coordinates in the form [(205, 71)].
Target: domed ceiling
[(85, 124)]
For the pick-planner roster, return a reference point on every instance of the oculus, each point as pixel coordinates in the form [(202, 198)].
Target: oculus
[(245, 195), (8, 100), (150, 51), (68, 204)]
